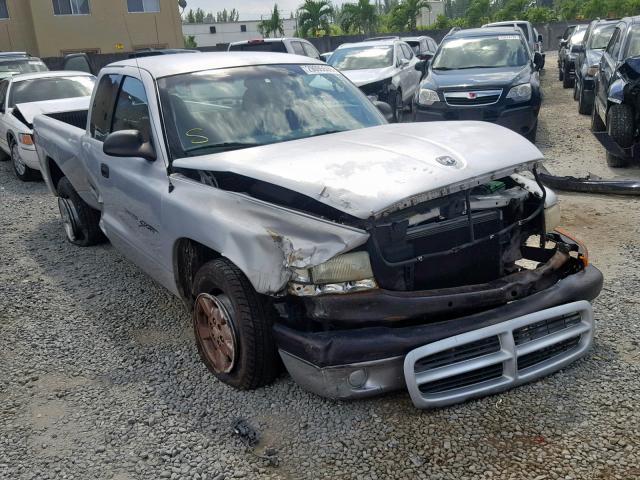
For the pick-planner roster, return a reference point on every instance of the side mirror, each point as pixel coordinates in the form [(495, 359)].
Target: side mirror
[(563, 43), (537, 60), (404, 62), (128, 143), (385, 109), (540, 38), (577, 48)]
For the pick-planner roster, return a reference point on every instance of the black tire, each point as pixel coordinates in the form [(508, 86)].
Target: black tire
[(255, 362), (398, 107), (22, 171), (620, 127), (560, 73), (567, 81), (81, 222), (575, 90), (4, 156), (597, 125), (585, 107), (531, 136)]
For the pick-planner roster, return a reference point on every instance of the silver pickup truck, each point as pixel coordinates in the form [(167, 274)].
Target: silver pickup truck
[(271, 196)]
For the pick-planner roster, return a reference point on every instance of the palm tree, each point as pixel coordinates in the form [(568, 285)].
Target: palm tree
[(272, 24), (314, 17), (360, 17), (413, 9)]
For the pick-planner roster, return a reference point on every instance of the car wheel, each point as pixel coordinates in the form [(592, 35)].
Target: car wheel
[(560, 73), (575, 90), (567, 81), (233, 327), (597, 125), (620, 127), (398, 107), (81, 222), (22, 171), (585, 107)]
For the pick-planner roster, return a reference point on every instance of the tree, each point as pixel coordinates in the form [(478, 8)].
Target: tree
[(191, 18), (209, 18), (273, 24), (569, 9), (227, 16), (314, 17), (359, 17), (478, 13), (199, 15), (405, 15), (190, 41), (540, 15), (595, 9)]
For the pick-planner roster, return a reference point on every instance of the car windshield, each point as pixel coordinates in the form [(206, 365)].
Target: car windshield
[(52, 88), (481, 52), (362, 58), (22, 65), (599, 38), (522, 26), (577, 37), (229, 109), (633, 49), (259, 46)]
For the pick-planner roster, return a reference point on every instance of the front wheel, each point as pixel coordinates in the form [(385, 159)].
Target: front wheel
[(597, 125), (22, 171), (620, 127), (81, 222), (585, 107), (398, 107), (233, 327)]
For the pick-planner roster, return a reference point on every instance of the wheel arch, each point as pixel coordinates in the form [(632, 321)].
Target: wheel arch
[(55, 173), (188, 257)]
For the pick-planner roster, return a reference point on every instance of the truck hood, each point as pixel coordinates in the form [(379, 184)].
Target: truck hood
[(365, 77), (31, 109), (375, 170)]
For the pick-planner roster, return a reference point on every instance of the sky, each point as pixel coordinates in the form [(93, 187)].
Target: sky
[(249, 9)]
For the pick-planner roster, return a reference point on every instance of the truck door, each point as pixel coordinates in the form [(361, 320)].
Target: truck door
[(132, 188)]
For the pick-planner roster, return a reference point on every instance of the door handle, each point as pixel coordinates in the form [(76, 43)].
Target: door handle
[(104, 170)]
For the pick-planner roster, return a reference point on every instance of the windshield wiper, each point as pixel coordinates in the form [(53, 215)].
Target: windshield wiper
[(478, 66), (223, 147), (328, 132)]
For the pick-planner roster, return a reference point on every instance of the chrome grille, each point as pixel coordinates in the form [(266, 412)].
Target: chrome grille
[(472, 98), (498, 357)]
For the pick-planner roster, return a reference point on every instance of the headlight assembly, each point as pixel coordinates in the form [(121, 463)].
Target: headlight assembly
[(342, 274), (592, 71), (520, 93), (427, 97)]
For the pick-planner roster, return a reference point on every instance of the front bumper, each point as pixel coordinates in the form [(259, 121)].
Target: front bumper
[(363, 362), (521, 119), (30, 157)]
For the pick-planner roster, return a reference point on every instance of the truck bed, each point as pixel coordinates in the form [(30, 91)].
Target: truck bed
[(77, 118)]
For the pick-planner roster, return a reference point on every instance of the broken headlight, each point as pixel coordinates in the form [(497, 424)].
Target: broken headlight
[(592, 71), (342, 274), (520, 93), (427, 97)]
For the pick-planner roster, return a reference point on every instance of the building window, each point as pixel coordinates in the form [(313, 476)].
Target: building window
[(143, 6), (243, 28), (212, 30), (4, 13), (71, 7)]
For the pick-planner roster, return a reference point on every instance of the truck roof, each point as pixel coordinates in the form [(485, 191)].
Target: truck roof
[(160, 66)]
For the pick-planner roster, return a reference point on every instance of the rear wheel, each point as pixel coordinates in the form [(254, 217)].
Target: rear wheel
[(233, 327), (22, 171), (567, 81), (621, 129), (81, 222)]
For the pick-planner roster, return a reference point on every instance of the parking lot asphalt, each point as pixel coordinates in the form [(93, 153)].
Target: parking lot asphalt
[(100, 377)]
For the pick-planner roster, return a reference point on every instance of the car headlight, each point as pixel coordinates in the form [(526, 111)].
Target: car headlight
[(552, 217), (342, 274), (520, 93), (428, 97), (592, 71)]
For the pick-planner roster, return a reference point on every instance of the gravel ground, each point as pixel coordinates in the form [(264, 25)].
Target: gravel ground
[(101, 379)]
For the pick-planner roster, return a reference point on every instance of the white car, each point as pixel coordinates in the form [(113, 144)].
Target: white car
[(24, 96), (294, 46), (383, 69)]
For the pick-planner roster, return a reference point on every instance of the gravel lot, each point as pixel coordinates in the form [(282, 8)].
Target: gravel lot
[(100, 377)]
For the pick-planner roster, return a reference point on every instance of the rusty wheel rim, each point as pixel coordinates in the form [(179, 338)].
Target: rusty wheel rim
[(215, 330)]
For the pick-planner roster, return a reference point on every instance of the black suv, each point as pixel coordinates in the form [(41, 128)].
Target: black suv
[(568, 55), (595, 41), (617, 93), (483, 74)]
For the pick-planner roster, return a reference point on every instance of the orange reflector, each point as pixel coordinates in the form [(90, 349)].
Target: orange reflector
[(26, 139), (583, 251)]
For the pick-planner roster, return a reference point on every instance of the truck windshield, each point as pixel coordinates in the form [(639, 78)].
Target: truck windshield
[(362, 58), (599, 38), (51, 88), (482, 52), (229, 109)]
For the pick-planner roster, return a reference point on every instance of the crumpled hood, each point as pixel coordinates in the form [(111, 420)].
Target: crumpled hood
[(31, 109), (364, 77), (369, 171)]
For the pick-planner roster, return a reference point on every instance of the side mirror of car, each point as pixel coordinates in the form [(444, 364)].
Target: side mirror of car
[(385, 109), (563, 43), (537, 60), (577, 48), (404, 62), (540, 38), (128, 143)]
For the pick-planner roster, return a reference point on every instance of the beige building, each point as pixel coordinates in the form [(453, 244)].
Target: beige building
[(51, 28)]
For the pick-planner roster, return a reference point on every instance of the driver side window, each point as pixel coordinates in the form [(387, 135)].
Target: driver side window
[(132, 110), (614, 44), (4, 85)]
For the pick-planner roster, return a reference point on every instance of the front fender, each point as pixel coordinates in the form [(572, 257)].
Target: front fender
[(616, 91)]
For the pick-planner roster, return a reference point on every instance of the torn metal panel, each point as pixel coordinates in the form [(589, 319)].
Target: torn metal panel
[(376, 170), (591, 184), (265, 241)]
